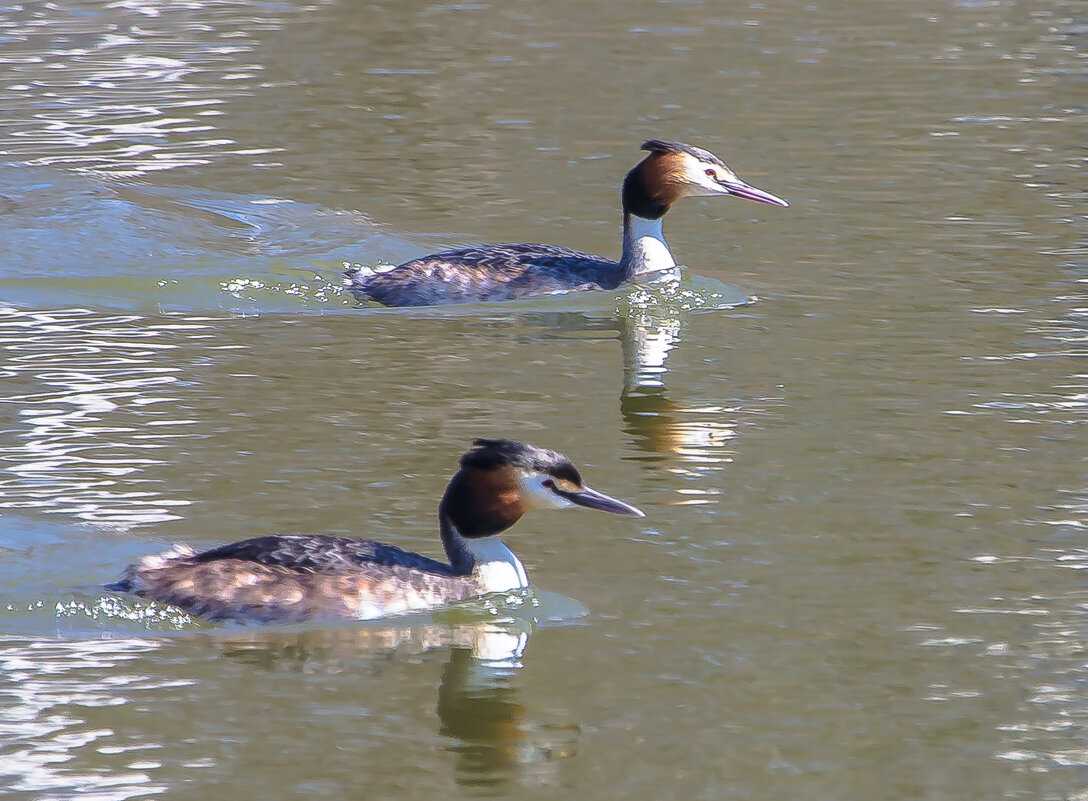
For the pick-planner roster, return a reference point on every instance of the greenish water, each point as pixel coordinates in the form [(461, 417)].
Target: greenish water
[(857, 428)]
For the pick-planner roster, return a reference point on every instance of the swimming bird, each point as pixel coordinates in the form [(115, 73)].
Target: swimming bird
[(292, 578), (671, 171)]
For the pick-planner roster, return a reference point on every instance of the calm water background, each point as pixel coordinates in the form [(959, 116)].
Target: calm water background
[(860, 574)]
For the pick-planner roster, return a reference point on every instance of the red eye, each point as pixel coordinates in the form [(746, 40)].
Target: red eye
[(548, 483), (712, 174)]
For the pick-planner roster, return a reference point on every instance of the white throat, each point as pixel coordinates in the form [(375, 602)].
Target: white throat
[(495, 568), (644, 248)]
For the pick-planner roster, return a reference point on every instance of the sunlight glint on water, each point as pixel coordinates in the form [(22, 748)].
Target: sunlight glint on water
[(81, 451), (861, 574)]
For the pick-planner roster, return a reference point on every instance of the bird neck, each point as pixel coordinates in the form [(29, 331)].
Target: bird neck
[(644, 248), (474, 509), (646, 198), (491, 565), (456, 547)]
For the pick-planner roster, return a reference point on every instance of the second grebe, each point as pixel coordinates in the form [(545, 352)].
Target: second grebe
[(292, 578), (672, 171)]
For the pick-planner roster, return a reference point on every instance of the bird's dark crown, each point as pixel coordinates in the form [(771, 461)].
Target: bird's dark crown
[(661, 146), (490, 454)]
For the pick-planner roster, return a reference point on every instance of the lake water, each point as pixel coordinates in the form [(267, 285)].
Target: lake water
[(857, 428)]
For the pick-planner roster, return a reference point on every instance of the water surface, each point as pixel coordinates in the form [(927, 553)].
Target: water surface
[(856, 428)]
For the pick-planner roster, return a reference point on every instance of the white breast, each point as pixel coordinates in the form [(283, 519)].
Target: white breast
[(496, 569)]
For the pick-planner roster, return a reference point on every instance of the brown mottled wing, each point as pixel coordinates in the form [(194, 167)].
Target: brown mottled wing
[(494, 272), (289, 579), (249, 592), (317, 553)]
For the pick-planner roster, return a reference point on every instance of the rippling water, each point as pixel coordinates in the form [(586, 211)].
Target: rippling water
[(857, 426)]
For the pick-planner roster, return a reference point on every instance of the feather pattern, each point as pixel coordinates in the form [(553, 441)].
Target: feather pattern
[(290, 579), (296, 577), (314, 552), (490, 273), (670, 171)]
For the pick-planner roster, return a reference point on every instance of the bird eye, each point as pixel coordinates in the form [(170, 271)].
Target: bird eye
[(548, 483), (712, 174)]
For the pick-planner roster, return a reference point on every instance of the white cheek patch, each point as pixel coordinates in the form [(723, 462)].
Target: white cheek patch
[(540, 497), (696, 175), (708, 184)]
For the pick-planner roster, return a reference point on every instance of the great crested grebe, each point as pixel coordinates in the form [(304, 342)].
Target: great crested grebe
[(672, 171), (292, 578)]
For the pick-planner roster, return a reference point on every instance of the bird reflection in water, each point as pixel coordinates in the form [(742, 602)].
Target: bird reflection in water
[(692, 437), (496, 738), (697, 437)]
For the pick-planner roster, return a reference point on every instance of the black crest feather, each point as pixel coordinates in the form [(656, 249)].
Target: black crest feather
[(661, 146), (490, 454)]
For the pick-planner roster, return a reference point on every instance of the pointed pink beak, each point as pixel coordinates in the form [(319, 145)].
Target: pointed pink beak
[(741, 189)]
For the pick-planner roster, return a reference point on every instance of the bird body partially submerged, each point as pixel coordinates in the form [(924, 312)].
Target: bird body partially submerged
[(671, 171), (293, 578)]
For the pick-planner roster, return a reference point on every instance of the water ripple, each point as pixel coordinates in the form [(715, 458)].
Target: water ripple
[(81, 89), (51, 747), (94, 403)]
